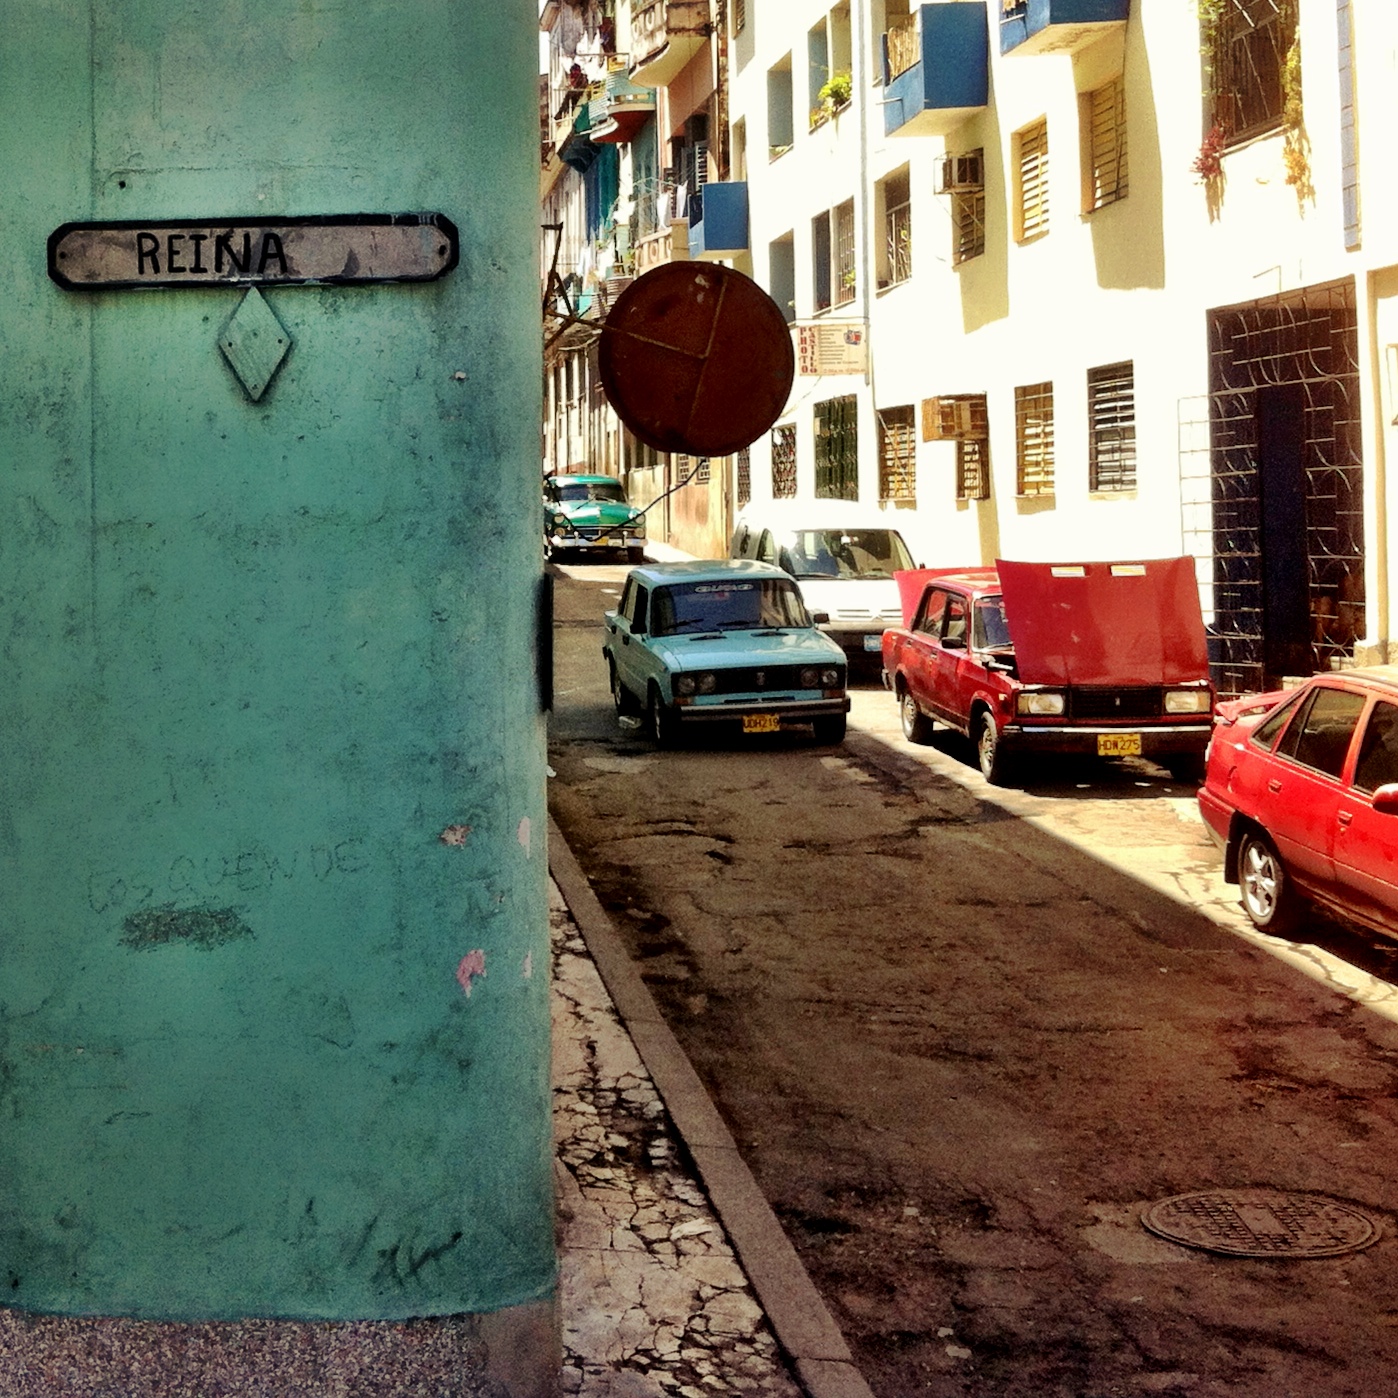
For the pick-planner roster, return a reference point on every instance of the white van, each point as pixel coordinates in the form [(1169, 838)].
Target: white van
[(845, 572)]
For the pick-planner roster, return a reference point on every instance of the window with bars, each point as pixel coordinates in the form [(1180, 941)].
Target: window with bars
[(973, 469), (842, 238), (837, 449), (1246, 48), (967, 225), (895, 197), (740, 15), (1034, 439), (1104, 131), (1111, 422), (784, 461), (1031, 181), (897, 456), (742, 466)]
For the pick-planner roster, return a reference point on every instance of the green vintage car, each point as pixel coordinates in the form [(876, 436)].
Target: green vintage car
[(590, 514)]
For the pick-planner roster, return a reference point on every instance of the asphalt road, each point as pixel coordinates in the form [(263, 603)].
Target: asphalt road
[(965, 1037)]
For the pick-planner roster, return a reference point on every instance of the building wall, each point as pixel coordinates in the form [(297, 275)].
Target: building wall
[(274, 971)]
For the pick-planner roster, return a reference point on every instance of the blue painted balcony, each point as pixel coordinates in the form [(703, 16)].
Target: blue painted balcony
[(936, 68), (1058, 26), (718, 220)]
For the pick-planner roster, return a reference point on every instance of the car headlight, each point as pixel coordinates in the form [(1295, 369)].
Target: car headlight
[(695, 684), (830, 679), (637, 524), (1188, 701), (1038, 702)]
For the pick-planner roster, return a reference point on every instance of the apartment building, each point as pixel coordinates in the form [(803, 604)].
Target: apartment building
[(1081, 279)]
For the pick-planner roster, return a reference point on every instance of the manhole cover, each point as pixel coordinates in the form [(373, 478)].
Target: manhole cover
[(1261, 1223)]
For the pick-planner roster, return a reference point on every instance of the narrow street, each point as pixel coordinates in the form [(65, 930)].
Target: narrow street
[(964, 1037)]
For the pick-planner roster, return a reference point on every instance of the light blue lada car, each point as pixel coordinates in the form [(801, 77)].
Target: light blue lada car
[(728, 641)]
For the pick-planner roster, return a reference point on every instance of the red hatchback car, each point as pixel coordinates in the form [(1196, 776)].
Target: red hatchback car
[(1301, 792)]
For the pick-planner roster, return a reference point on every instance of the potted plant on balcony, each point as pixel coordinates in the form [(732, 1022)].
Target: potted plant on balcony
[(836, 92)]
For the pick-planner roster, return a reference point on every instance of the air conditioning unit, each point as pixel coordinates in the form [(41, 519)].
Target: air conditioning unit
[(959, 174), (948, 419)]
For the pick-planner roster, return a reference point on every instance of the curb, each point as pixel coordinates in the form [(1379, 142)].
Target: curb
[(802, 1324)]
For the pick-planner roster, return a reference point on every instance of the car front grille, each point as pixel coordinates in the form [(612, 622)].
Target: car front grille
[(762, 679), (1134, 703)]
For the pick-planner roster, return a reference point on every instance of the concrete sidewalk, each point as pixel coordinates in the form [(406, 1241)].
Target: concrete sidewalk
[(675, 1278)]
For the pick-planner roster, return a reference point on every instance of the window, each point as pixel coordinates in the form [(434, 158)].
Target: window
[(929, 619), (896, 256), (897, 456), (1320, 738), (740, 15), (779, 109), (1378, 753), (781, 274), (1104, 139), (963, 177), (837, 449), (783, 461), (843, 233), (1034, 439), (1031, 181), (1247, 47), (743, 466), (820, 262), (962, 418), (1111, 427)]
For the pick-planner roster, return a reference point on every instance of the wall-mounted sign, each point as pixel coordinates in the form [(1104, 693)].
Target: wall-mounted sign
[(831, 347), (350, 248)]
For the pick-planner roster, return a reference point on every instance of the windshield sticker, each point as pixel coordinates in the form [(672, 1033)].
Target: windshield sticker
[(722, 588)]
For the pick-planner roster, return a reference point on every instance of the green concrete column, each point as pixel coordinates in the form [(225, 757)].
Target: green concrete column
[(273, 951)]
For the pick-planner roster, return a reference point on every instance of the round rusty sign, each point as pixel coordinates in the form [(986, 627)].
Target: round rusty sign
[(696, 358), (1261, 1223)]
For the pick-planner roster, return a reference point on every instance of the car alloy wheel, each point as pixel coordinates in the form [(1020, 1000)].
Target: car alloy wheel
[(1265, 887)]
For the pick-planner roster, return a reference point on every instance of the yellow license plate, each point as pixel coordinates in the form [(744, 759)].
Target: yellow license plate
[(1118, 745), (761, 723)]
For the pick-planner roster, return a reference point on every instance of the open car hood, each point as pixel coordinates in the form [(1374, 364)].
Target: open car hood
[(1132, 623)]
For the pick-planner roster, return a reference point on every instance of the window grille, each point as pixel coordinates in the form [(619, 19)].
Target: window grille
[(1034, 439), (1033, 191), (702, 470), (743, 467), (837, 449), (898, 227), (897, 456), (1106, 125), (740, 15), (1247, 54), (1111, 423), (973, 469), (784, 462), (845, 275), (967, 225)]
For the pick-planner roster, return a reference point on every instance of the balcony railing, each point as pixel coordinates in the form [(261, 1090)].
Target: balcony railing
[(1057, 26), (665, 35)]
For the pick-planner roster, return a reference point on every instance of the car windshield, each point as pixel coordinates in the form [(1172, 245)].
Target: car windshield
[(578, 492), (845, 553), (742, 605), (988, 628)]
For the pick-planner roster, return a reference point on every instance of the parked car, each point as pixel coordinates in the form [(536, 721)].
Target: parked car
[(845, 572), (591, 514), (726, 641), (1301, 794), (1100, 659)]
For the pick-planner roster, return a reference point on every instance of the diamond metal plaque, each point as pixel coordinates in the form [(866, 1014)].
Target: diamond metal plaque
[(1261, 1223), (254, 342)]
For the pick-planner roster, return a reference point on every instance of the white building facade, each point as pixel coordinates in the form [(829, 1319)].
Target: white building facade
[(1090, 279)]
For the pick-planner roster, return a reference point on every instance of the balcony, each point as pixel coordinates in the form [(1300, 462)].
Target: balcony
[(665, 35), (621, 110), (936, 69), (1058, 26), (718, 221)]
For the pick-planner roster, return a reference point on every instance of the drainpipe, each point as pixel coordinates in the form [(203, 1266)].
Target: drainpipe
[(859, 60)]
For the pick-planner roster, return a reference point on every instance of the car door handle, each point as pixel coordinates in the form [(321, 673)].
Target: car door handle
[(1345, 817), (1274, 786)]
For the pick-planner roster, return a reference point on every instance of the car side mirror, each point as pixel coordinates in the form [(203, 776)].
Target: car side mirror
[(820, 618), (1386, 799)]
